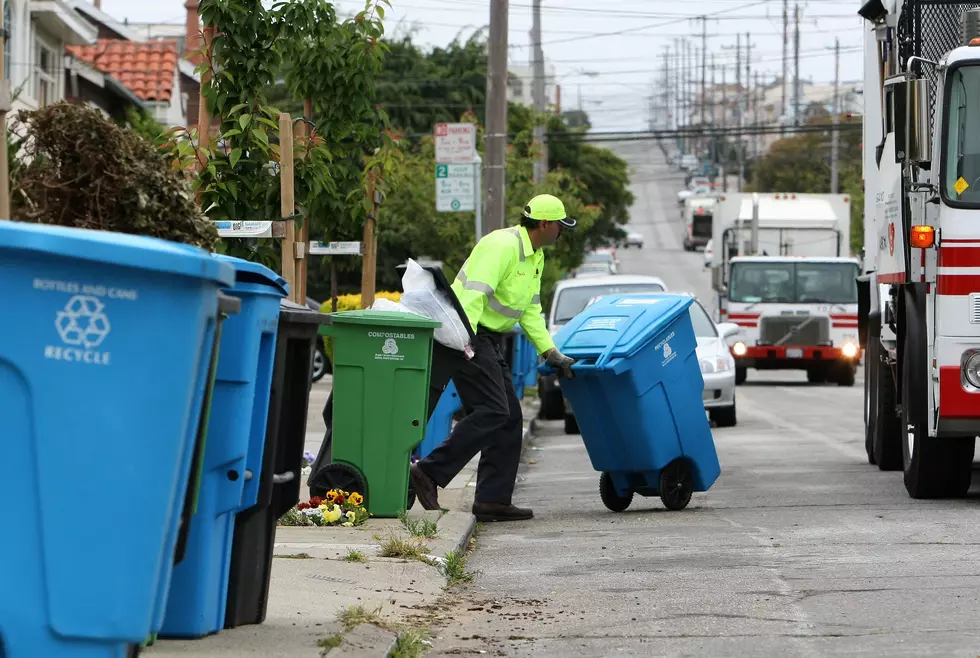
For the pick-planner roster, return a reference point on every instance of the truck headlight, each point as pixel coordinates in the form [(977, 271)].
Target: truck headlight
[(970, 365), (739, 349), (849, 350)]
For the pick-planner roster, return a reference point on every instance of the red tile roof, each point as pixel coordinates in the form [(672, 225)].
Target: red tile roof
[(147, 68)]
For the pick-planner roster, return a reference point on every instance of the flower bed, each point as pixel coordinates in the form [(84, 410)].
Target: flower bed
[(336, 508)]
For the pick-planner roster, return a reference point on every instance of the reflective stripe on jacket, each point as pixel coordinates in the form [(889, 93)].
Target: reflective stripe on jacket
[(499, 285)]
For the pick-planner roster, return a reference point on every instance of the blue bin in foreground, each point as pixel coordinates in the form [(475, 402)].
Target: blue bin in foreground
[(233, 452), (636, 396), (102, 378), (440, 422)]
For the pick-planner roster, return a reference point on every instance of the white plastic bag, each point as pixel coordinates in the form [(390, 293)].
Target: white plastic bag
[(382, 304), (422, 297)]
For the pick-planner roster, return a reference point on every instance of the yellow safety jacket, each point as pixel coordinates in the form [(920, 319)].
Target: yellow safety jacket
[(499, 285)]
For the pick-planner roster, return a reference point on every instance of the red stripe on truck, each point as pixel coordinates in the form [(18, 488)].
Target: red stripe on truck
[(959, 257), (954, 400), (957, 284)]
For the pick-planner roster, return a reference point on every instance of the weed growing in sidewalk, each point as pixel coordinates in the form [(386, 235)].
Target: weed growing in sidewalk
[(411, 643), (330, 642), (354, 556), (296, 556), (410, 549), (355, 615), (454, 569), (421, 527)]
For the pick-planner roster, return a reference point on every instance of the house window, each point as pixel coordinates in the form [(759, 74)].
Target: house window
[(7, 24), (45, 81)]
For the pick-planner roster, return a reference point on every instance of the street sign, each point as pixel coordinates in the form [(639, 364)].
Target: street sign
[(455, 143), (236, 229), (455, 188), (318, 248)]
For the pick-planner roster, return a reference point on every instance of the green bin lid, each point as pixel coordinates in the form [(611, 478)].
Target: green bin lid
[(383, 319)]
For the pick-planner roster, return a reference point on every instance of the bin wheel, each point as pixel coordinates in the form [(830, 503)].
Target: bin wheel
[(612, 500), (676, 485), (337, 476)]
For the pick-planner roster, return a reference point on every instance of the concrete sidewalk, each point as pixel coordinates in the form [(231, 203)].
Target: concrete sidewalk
[(314, 576)]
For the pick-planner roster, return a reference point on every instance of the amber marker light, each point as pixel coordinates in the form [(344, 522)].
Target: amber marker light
[(922, 237)]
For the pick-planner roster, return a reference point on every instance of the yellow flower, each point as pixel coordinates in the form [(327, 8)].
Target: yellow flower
[(331, 495), (351, 516), (348, 524), (333, 514), (356, 499)]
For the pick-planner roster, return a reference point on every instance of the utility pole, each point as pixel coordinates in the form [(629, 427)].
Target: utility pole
[(748, 92), (666, 87), (785, 60), (755, 115), (538, 93), (496, 136), (835, 136), (724, 128), (704, 63), (741, 114), (714, 115), (796, 69)]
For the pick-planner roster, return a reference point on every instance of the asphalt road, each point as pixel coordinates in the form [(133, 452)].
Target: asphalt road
[(800, 549)]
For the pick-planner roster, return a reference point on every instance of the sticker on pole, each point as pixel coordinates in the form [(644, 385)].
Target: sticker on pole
[(455, 143)]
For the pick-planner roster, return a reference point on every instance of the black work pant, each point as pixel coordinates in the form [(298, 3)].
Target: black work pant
[(493, 425)]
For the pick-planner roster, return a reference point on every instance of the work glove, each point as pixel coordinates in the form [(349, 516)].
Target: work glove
[(563, 363)]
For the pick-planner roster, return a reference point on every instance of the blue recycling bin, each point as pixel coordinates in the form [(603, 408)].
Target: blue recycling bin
[(102, 377), (440, 421), (530, 362), (637, 397), (232, 455)]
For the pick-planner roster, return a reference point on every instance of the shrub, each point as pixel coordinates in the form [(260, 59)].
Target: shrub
[(76, 168)]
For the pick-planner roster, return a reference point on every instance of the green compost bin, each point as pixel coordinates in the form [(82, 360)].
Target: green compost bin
[(381, 364)]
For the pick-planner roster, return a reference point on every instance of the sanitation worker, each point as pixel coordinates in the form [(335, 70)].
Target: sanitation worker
[(498, 286)]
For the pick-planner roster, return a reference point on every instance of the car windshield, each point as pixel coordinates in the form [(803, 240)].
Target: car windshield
[(571, 301), (599, 257), (794, 282), (961, 180), (703, 326)]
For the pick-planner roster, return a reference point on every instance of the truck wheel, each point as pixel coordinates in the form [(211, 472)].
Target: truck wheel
[(741, 374), (934, 467), (816, 375), (870, 389), (846, 375), (612, 500)]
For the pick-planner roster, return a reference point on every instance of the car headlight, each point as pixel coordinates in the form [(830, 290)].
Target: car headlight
[(739, 349), (721, 365), (849, 350), (707, 367), (970, 365)]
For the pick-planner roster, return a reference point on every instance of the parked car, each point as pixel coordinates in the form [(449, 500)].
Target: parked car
[(634, 239), (594, 269), (321, 364), (709, 253), (603, 256), (568, 300), (700, 190), (717, 368)]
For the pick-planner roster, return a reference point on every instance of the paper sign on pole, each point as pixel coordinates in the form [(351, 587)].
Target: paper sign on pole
[(455, 143), (236, 229), (318, 248)]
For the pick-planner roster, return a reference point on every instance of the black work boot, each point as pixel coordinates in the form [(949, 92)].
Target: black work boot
[(425, 488), (500, 512)]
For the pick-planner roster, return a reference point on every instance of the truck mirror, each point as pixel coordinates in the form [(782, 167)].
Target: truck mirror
[(920, 131)]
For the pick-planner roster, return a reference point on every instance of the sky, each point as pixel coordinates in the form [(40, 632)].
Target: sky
[(624, 43)]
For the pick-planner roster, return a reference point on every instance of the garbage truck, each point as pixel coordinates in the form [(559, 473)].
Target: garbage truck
[(919, 291), (782, 271), (698, 213)]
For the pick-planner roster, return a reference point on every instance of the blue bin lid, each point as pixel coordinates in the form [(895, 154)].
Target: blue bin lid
[(122, 249), (619, 325), (248, 272)]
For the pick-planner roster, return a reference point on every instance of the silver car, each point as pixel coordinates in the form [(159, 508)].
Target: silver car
[(717, 368)]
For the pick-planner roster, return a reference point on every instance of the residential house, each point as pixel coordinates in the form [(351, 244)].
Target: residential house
[(182, 40), (520, 81), (38, 32)]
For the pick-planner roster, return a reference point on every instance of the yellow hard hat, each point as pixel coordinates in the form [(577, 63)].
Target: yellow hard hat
[(548, 208)]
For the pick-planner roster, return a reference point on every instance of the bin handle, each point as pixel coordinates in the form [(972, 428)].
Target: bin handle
[(283, 478), (229, 304)]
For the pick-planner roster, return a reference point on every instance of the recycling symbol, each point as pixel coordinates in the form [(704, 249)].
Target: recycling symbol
[(390, 347), (83, 322), (668, 350)]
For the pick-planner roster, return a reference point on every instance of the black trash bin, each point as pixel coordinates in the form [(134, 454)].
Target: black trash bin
[(445, 360), (279, 484)]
